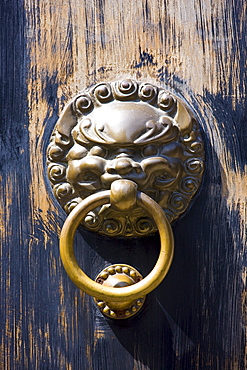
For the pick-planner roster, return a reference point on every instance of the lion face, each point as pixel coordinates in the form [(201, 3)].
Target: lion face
[(141, 146)]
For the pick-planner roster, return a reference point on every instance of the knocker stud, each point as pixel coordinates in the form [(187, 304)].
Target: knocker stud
[(121, 153)]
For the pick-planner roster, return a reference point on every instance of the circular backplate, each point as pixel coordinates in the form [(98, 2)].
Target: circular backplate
[(131, 130)]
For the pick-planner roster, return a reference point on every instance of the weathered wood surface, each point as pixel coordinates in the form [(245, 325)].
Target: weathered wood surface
[(196, 318)]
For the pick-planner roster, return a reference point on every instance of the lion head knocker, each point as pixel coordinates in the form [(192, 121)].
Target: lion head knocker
[(128, 130)]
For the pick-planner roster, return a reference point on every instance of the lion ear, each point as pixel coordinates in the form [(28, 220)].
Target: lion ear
[(67, 121), (183, 119)]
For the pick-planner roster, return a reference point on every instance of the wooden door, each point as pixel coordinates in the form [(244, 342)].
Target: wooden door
[(196, 318)]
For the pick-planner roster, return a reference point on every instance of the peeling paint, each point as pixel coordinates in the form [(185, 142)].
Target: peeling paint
[(197, 48)]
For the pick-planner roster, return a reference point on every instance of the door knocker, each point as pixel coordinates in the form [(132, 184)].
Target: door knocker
[(125, 159)]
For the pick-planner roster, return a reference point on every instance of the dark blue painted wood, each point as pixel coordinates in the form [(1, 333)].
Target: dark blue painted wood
[(194, 320)]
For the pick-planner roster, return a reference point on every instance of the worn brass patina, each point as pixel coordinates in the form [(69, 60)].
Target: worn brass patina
[(127, 291), (126, 130), (125, 159)]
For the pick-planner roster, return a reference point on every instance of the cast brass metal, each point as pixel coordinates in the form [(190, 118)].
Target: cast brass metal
[(119, 276), (127, 295), (125, 159), (126, 130)]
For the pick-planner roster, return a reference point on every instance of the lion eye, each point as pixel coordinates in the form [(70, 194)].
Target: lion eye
[(87, 177), (98, 151), (149, 150), (163, 176)]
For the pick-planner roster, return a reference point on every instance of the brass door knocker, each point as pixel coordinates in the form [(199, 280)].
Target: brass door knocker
[(125, 159)]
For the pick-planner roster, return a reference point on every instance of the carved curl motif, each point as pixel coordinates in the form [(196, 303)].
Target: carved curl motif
[(132, 130)]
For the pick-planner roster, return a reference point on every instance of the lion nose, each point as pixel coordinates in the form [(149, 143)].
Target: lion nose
[(123, 166)]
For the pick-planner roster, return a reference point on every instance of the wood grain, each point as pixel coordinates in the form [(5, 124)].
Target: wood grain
[(196, 319)]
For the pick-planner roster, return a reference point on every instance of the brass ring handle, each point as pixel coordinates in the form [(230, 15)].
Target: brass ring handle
[(132, 292)]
